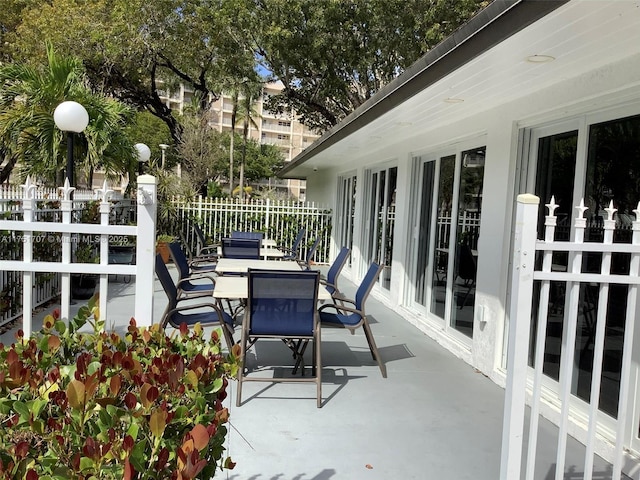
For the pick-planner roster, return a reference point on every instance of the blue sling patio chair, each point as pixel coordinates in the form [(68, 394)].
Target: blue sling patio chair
[(243, 248), (180, 310), (248, 235), (293, 253), (282, 304), (191, 282), (204, 249), (350, 314), (331, 280), (306, 263), (193, 265)]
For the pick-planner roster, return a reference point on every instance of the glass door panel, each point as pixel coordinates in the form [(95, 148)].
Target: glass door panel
[(382, 201), (424, 230), (440, 264), (467, 233), (346, 212)]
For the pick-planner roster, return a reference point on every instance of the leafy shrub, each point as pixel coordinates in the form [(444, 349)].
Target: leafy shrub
[(96, 405)]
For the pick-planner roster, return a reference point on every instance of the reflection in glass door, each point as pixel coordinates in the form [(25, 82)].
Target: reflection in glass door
[(381, 220), (346, 208), (446, 231), (598, 162)]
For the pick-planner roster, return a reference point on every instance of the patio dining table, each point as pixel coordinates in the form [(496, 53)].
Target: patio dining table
[(235, 287), (242, 265)]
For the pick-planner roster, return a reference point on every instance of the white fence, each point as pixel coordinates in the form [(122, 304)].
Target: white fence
[(279, 220), (28, 230), (532, 285)]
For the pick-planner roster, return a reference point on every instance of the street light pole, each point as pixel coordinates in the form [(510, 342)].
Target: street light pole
[(70, 117)]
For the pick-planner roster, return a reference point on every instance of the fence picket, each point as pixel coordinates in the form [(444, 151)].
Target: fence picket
[(279, 220)]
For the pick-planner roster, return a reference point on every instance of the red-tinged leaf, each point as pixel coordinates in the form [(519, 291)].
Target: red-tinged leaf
[(56, 313), (32, 475), (184, 329), (236, 350), (163, 458), (222, 416), (158, 422), (144, 399), (89, 449), (75, 393), (130, 401), (153, 393), (146, 336), (54, 343), (48, 322), (128, 470), (22, 449), (228, 463), (200, 436), (114, 384), (127, 443), (12, 357)]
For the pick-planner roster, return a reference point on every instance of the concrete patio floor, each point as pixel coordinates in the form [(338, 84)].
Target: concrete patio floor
[(433, 418)]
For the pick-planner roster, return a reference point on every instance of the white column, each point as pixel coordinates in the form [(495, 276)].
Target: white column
[(145, 249), (519, 328)]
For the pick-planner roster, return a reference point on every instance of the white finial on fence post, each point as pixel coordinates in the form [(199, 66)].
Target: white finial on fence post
[(551, 220), (610, 210), (145, 249), (66, 190)]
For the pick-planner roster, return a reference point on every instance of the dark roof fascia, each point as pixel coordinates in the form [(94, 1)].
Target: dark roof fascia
[(505, 17)]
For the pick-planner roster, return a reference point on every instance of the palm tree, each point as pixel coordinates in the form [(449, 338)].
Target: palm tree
[(251, 91), (29, 138), (243, 93)]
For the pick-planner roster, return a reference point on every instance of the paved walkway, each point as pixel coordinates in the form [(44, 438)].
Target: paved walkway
[(433, 418)]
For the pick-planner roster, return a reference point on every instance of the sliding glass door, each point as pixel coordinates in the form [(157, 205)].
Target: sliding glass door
[(596, 159), (381, 214), (443, 249)]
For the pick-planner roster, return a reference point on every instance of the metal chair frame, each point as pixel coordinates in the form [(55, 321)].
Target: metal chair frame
[(282, 304), (352, 317), (206, 313)]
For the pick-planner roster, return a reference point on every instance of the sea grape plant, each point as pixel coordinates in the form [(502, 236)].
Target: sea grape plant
[(78, 402)]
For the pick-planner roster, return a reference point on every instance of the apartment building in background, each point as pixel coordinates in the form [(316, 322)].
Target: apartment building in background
[(284, 131)]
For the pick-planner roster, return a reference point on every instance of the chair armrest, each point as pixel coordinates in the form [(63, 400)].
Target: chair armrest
[(340, 308), (197, 277)]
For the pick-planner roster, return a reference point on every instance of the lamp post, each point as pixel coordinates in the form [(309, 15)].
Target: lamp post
[(144, 154), (70, 117), (163, 147)]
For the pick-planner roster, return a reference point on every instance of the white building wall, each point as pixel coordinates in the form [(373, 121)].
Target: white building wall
[(498, 129)]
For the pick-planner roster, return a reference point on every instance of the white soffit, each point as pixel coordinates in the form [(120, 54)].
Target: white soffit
[(581, 35)]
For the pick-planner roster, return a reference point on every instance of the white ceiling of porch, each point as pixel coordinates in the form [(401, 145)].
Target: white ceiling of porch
[(581, 35)]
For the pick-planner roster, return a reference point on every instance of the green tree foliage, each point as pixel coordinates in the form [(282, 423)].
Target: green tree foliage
[(204, 153), (133, 49), (29, 137), (332, 55), (150, 130)]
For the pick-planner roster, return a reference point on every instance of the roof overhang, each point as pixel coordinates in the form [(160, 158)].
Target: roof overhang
[(500, 20)]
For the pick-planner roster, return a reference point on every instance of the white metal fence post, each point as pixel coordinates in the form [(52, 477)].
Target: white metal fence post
[(145, 249), (105, 209), (519, 329), (28, 205), (66, 205)]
